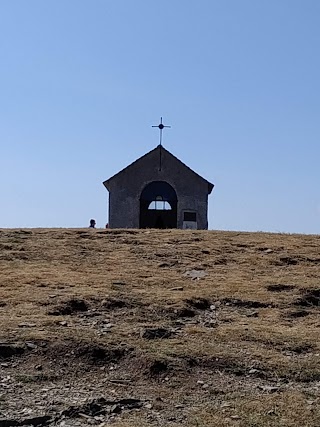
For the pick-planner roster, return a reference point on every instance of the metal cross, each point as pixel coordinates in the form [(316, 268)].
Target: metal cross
[(161, 126)]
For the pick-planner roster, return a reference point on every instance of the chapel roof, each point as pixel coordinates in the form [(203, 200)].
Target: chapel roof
[(158, 148)]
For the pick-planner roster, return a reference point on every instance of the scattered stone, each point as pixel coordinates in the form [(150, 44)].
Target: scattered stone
[(253, 371), (253, 314), (268, 388), (31, 345), (149, 406), (63, 323), (90, 313), (88, 417), (195, 274), (130, 403), (26, 325), (115, 409), (177, 288), (108, 325), (225, 405)]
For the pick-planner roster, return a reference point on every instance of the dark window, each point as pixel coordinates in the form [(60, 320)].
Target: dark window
[(190, 216)]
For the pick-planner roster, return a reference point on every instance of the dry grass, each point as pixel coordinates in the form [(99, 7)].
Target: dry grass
[(244, 345)]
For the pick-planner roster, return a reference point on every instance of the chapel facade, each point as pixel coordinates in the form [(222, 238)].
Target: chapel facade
[(158, 191)]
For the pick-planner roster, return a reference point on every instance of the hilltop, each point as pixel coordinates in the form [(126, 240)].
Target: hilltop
[(159, 328)]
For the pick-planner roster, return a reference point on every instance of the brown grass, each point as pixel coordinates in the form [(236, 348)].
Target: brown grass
[(239, 350)]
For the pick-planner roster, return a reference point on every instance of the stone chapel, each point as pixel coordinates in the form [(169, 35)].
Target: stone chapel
[(158, 191)]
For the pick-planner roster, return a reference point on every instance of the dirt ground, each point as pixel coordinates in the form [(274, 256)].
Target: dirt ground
[(159, 328)]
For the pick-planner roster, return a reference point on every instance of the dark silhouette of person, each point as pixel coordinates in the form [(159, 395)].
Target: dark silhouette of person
[(92, 223)]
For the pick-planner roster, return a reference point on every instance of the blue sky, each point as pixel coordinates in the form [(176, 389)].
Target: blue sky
[(83, 81)]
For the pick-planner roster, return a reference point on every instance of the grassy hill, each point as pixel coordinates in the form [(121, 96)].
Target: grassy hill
[(159, 327)]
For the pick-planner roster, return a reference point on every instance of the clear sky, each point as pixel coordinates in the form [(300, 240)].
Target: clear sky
[(83, 81)]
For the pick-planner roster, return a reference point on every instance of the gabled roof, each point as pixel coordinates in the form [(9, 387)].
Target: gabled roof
[(158, 148)]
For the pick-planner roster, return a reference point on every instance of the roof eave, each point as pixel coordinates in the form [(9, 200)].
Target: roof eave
[(210, 187), (106, 184)]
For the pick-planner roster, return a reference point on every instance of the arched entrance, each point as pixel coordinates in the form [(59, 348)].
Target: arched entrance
[(158, 206)]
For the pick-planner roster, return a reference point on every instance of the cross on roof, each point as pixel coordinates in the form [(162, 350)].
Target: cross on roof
[(161, 126)]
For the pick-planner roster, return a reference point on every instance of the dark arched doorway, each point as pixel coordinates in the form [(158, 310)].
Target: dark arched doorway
[(158, 206)]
